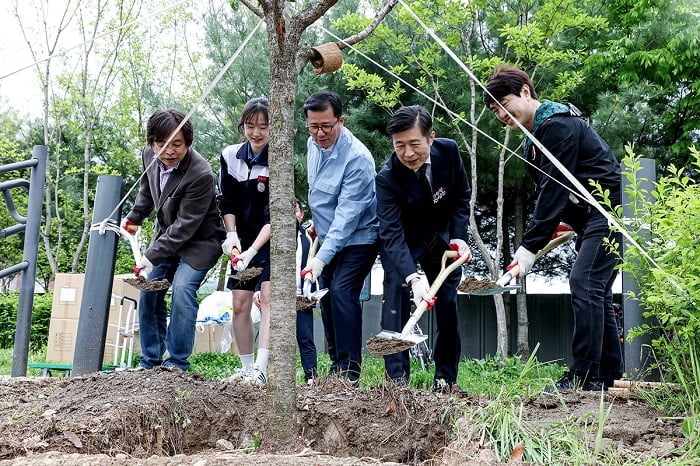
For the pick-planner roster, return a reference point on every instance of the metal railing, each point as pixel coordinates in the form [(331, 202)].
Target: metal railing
[(30, 226)]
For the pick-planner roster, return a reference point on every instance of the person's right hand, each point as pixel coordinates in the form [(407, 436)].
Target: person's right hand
[(420, 288), (130, 226), (231, 242)]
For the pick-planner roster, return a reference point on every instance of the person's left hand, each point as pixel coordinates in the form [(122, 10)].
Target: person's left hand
[(143, 268), (243, 259), (523, 258), (462, 248), (257, 298), (315, 266)]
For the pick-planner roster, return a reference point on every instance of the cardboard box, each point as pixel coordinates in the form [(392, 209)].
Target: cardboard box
[(208, 340), (65, 313), (67, 295)]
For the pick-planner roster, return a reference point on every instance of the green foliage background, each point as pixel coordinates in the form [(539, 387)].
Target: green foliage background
[(41, 315)]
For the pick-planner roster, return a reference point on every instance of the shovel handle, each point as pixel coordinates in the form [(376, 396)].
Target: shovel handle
[(553, 243), (437, 283), (132, 242)]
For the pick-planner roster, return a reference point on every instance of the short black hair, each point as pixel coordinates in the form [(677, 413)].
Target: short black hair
[(507, 80), (406, 118), (257, 105), (320, 101), (162, 124)]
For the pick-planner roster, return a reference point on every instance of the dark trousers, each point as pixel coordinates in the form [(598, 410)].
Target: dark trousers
[(305, 340), (447, 345), (341, 308), (596, 346)]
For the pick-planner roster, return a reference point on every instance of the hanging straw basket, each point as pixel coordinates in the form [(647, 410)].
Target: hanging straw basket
[(327, 58)]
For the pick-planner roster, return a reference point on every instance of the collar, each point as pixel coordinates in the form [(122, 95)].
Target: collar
[(544, 112)]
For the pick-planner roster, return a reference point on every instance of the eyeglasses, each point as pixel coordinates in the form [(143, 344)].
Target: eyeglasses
[(313, 129)]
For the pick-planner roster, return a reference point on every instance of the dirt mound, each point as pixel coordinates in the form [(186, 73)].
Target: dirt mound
[(163, 418)]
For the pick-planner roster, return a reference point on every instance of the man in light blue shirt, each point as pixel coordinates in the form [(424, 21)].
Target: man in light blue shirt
[(343, 204)]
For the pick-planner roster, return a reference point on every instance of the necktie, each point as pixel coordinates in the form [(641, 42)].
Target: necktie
[(425, 183)]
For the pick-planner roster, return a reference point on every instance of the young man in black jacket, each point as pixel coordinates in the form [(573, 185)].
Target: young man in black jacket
[(423, 207), (561, 129)]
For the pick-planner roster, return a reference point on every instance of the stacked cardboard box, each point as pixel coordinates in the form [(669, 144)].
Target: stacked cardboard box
[(65, 311)]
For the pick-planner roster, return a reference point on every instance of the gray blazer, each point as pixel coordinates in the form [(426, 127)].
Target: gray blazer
[(187, 221)]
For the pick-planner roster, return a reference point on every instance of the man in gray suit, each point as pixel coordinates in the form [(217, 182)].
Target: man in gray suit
[(179, 185)]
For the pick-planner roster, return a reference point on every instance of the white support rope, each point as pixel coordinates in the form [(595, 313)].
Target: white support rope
[(206, 93)]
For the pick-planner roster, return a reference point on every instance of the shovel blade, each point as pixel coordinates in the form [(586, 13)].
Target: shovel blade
[(492, 291), (387, 342)]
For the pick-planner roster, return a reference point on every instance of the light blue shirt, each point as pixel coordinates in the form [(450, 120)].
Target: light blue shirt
[(342, 197)]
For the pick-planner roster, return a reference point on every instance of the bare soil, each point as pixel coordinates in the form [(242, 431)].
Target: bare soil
[(159, 417), (247, 274)]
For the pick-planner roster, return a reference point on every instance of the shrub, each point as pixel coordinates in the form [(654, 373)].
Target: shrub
[(41, 315)]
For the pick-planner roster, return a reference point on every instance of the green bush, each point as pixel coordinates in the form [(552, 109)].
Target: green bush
[(41, 315)]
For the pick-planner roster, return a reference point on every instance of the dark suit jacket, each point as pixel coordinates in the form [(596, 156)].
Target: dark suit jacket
[(187, 220), (408, 220)]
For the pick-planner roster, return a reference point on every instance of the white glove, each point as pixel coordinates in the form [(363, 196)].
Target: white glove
[(231, 242), (240, 262), (523, 258), (315, 266), (420, 289), (462, 248), (143, 268)]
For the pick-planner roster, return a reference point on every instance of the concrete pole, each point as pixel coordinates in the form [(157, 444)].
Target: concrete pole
[(99, 272), (637, 353)]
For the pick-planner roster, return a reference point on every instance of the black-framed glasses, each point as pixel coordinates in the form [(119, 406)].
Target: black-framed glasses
[(326, 128)]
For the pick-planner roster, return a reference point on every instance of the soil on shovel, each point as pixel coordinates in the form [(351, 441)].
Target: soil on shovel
[(148, 285), (380, 346), (158, 417), (247, 274), (304, 302), (470, 284)]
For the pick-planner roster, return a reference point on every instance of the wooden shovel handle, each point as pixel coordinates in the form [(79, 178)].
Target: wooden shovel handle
[(553, 243), (445, 271)]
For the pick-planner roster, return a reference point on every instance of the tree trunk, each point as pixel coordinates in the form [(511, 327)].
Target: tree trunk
[(522, 344)]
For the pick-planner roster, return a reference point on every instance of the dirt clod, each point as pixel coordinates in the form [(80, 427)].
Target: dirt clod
[(470, 284), (304, 303), (148, 285), (380, 346), (247, 274)]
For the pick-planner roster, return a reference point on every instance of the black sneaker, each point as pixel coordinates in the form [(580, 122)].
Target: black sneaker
[(448, 388), (572, 381)]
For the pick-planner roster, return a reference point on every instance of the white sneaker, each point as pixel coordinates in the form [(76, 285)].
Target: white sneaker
[(240, 375), (256, 376)]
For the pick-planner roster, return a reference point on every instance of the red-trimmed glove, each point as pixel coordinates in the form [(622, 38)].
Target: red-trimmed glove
[(420, 290), (243, 259), (314, 267), (130, 226), (462, 248), (143, 268), (562, 229), (525, 259)]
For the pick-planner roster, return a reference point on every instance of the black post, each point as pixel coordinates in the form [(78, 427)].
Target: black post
[(23, 327), (637, 353), (99, 273)]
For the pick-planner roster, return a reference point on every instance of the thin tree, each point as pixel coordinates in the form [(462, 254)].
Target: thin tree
[(288, 57)]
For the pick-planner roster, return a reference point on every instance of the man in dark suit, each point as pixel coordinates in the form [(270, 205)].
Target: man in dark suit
[(179, 185), (423, 208)]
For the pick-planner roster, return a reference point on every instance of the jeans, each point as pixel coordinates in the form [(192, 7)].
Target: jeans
[(596, 348), (305, 340), (177, 336), (341, 309)]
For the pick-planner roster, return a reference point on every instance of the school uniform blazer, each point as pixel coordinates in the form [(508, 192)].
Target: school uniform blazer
[(409, 220), (187, 221)]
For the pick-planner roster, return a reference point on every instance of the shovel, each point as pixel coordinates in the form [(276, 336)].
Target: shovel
[(502, 283), (140, 282), (388, 342)]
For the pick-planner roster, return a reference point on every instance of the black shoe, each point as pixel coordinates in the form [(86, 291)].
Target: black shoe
[(448, 388), (573, 381)]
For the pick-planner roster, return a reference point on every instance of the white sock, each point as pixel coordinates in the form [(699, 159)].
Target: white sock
[(261, 360), (247, 360)]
